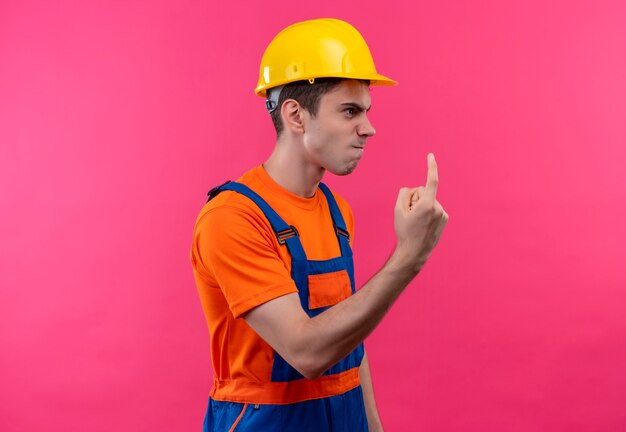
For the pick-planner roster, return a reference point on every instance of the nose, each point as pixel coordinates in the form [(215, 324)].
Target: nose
[(365, 128)]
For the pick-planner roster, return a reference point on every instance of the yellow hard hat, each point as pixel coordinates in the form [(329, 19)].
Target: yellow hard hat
[(320, 48)]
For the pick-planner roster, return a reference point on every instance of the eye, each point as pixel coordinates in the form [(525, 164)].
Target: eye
[(350, 112)]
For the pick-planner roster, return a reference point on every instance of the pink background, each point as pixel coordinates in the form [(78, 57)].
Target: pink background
[(116, 118)]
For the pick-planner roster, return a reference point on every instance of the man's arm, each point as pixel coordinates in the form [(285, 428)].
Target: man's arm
[(312, 345), (373, 419)]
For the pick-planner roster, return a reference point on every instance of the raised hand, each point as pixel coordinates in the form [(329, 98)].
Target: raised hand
[(419, 220)]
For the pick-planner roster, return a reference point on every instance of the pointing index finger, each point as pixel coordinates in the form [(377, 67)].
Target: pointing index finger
[(432, 180)]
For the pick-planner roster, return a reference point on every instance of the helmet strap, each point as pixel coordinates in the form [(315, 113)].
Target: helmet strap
[(271, 103)]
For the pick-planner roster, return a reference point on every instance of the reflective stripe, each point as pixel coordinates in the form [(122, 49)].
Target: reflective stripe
[(280, 393), (341, 413)]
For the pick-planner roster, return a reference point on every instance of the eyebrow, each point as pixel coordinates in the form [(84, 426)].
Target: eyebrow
[(356, 106)]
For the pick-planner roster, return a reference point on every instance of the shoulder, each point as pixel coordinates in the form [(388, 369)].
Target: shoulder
[(229, 207), (230, 228), (230, 214)]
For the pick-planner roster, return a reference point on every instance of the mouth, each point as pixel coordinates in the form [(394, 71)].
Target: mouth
[(360, 145)]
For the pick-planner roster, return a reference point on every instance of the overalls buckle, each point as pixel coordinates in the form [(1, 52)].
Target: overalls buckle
[(342, 232), (215, 191), (282, 236)]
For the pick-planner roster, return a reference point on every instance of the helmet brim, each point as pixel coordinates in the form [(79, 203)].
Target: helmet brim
[(375, 79)]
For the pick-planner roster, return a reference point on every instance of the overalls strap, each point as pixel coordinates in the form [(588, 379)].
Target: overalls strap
[(339, 224), (286, 234)]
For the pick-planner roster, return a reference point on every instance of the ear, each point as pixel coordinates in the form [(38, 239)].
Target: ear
[(292, 115)]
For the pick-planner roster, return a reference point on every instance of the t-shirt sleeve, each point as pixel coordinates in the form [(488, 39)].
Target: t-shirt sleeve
[(238, 250)]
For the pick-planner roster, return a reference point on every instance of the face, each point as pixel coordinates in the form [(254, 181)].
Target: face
[(335, 139)]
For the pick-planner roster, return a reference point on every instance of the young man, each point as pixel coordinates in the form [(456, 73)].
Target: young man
[(271, 253)]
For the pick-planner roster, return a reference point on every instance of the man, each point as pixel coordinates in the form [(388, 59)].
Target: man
[(271, 253)]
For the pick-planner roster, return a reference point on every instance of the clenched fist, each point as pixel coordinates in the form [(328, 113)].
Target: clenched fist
[(419, 220)]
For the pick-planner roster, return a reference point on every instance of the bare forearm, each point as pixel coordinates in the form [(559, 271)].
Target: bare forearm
[(331, 335), (312, 345)]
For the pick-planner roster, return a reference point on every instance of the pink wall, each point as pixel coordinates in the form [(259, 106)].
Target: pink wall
[(117, 117)]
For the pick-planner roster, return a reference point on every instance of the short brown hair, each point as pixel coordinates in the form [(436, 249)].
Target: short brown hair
[(306, 94)]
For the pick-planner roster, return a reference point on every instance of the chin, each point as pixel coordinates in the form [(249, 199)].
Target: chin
[(348, 169)]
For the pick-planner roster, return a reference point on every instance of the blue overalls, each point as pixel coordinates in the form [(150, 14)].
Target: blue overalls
[(341, 413)]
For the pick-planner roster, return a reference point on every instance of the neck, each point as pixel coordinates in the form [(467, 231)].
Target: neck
[(288, 167)]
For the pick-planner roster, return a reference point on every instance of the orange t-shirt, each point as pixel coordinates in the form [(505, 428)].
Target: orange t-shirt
[(238, 264)]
